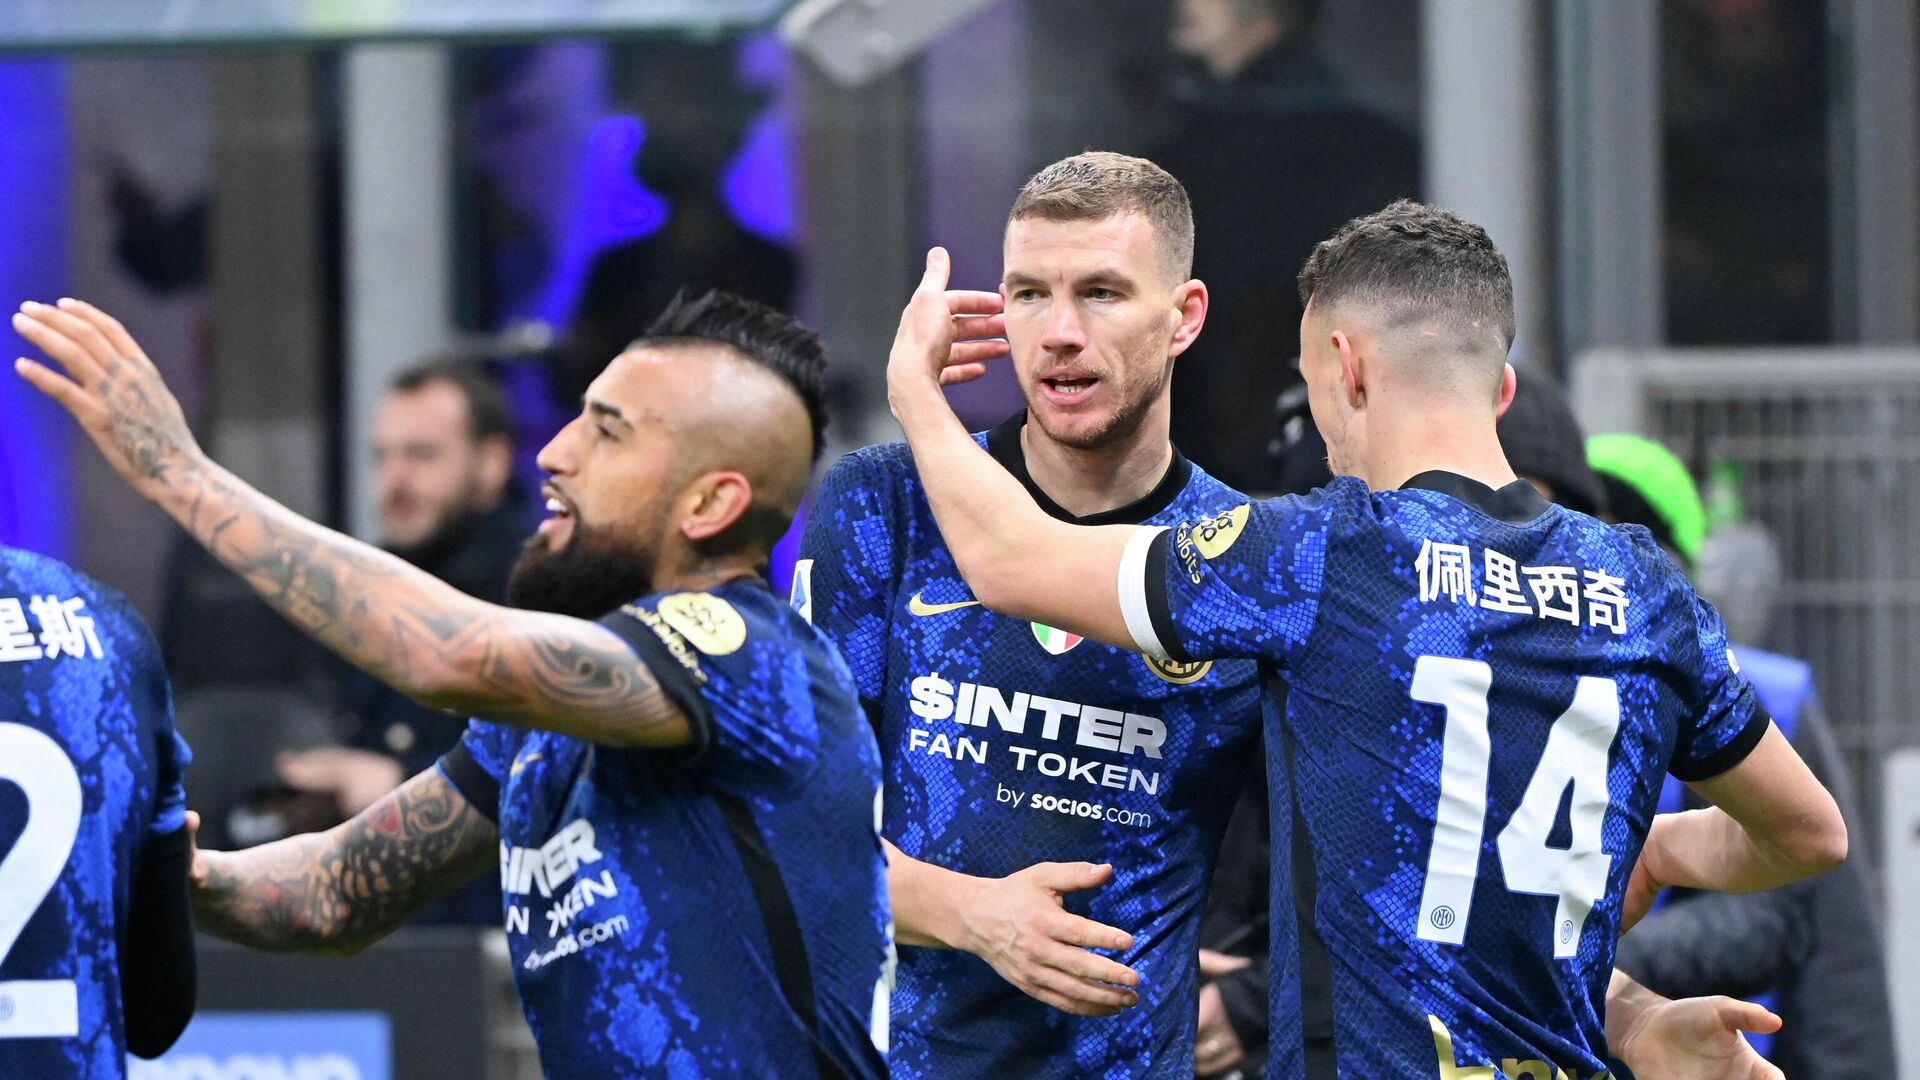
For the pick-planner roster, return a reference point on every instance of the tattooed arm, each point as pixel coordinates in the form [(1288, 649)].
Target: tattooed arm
[(422, 636), (344, 889)]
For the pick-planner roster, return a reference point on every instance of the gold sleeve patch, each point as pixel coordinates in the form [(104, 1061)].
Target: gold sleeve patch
[(709, 623), (1175, 672), (1216, 534)]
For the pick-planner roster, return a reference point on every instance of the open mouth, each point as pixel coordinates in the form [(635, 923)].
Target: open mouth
[(1068, 388), (559, 514)]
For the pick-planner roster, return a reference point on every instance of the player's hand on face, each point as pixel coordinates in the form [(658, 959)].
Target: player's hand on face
[(110, 387), (1699, 1039), (946, 335), (1216, 1048), (1018, 925)]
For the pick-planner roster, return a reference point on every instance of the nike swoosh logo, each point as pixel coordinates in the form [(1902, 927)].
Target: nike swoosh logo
[(523, 763), (920, 607)]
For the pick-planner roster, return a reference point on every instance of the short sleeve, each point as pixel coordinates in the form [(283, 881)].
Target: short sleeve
[(741, 676), (480, 763), (846, 575), (1725, 719), (1242, 583)]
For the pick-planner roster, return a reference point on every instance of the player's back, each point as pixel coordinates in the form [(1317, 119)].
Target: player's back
[(1486, 690), (90, 773), (1485, 707)]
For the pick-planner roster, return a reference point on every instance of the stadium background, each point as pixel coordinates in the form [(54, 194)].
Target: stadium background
[(1712, 208)]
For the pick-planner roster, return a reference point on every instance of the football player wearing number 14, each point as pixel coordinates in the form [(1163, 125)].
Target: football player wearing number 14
[(1486, 688)]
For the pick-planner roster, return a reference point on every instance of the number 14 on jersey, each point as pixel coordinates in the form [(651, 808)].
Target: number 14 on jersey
[(1576, 754)]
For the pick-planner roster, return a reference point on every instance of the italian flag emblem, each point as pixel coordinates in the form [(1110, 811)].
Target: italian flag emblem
[(1054, 641)]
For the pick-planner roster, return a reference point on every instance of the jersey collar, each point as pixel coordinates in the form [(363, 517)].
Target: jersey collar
[(1515, 504), (1003, 443)]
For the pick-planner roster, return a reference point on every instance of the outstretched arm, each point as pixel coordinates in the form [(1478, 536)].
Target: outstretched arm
[(344, 889), (1017, 560), (422, 636)]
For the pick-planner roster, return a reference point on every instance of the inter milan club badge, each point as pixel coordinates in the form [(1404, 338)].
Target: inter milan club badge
[(1176, 672), (1053, 640)]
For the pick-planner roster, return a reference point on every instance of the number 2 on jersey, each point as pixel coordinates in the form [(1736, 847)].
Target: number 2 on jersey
[(1576, 754), (36, 1008)]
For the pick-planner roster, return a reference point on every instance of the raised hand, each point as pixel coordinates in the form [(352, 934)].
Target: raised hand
[(946, 335), (111, 388)]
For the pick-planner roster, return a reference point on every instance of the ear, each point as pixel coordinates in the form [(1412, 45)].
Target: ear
[(1509, 382), (712, 503), (495, 462), (1353, 375), (1190, 307)]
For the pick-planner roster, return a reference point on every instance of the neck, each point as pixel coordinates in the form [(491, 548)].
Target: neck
[(1442, 437), (1087, 482), (692, 571)]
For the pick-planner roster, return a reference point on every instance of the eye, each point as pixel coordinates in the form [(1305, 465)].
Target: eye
[(605, 432), (1026, 294), (1101, 293)]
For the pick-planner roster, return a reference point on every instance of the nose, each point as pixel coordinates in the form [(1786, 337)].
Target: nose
[(556, 458), (1065, 332)]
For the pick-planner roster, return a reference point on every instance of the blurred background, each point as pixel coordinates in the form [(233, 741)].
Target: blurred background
[(1711, 207)]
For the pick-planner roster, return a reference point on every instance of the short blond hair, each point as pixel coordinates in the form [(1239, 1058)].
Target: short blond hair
[(1099, 184)]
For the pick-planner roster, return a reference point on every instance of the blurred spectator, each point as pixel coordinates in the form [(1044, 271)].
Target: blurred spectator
[(697, 115), (1276, 154), (443, 458), (1814, 945)]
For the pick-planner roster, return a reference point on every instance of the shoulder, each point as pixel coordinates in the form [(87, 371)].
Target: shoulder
[(30, 575)]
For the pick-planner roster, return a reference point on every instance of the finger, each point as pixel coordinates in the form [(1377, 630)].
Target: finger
[(65, 351), (303, 772), (1071, 929), (939, 266), (1082, 964), (979, 326), (1066, 1004), (1071, 876), (109, 327), (976, 352), (73, 326), (973, 302), (965, 373), (1740, 1015), (1080, 991), (193, 825), (56, 386)]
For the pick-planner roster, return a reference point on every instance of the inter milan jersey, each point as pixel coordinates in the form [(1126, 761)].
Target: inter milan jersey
[(1007, 743), (712, 911), (90, 775), (1486, 691)]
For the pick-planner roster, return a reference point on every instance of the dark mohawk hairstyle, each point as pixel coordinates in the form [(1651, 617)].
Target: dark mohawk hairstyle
[(768, 337)]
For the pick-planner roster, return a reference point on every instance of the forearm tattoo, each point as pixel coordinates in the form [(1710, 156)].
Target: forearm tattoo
[(341, 890), (415, 632)]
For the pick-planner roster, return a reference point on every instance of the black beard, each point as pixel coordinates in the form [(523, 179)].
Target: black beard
[(588, 578)]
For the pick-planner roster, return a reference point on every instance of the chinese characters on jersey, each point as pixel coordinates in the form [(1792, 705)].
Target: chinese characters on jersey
[(63, 629), (1567, 593)]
